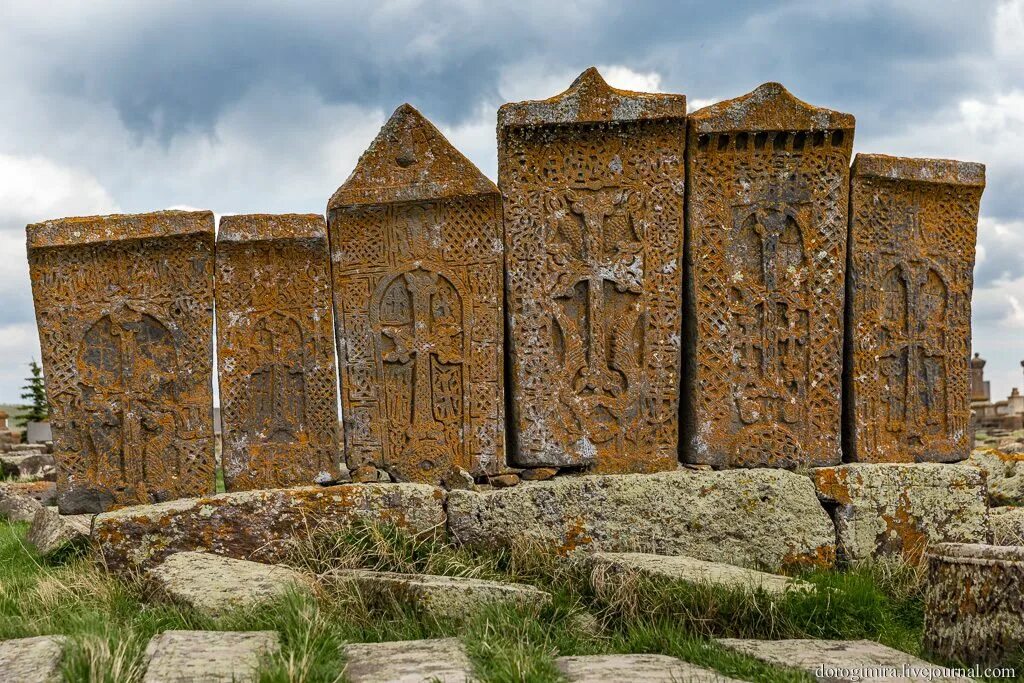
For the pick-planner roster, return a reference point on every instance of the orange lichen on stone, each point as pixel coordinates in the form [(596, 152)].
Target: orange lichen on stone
[(275, 345), (913, 232), (124, 305), (417, 253), (766, 255), (592, 183)]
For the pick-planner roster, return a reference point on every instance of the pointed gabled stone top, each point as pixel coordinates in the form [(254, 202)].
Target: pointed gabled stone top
[(769, 107), (939, 171), (65, 232), (260, 227), (591, 100), (410, 160)]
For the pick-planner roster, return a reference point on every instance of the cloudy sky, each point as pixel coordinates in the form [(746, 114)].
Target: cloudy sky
[(256, 106)]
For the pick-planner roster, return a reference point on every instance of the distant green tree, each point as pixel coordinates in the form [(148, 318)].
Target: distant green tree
[(35, 391)]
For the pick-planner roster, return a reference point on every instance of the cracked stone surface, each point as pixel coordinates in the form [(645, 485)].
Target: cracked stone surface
[(692, 570), (442, 660), (622, 668), (207, 656), (32, 660), (50, 531)]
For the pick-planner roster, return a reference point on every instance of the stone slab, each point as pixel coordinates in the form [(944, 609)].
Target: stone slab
[(30, 466), (593, 183), (974, 603), (32, 660), (275, 351), (51, 531), (16, 506), (258, 525), (913, 230), (1007, 525), (124, 306), (443, 597), (442, 660), (766, 212), (215, 585), (417, 264), (43, 491), (207, 656), (1004, 474), (840, 661), (891, 509), (758, 517), (625, 668), (679, 568)]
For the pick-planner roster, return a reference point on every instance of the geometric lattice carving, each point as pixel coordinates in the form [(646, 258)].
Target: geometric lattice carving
[(766, 213), (124, 306), (913, 229), (592, 182), (275, 348), (417, 265)]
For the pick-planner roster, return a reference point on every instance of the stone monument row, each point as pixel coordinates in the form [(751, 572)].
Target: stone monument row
[(707, 289)]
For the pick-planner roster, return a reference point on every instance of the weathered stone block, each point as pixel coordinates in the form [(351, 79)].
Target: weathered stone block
[(441, 660), (258, 525), (691, 570), (1004, 475), (648, 668), (32, 660), (208, 656), (592, 183), (899, 509), (275, 350), (51, 531), (43, 491), (16, 506), (29, 466), (125, 312), (913, 227), (1007, 525), (215, 585), (417, 255), (974, 603), (442, 597), (766, 254), (764, 517)]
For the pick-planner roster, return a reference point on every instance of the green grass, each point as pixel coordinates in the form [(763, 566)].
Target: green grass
[(111, 620)]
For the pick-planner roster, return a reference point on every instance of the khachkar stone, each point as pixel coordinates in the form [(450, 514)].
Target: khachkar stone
[(417, 261), (766, 255), (124, 305), (592, 182), (913, 229), (275, 345)]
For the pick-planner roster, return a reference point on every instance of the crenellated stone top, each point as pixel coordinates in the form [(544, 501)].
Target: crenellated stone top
[(263, 227), (939, 171), (64, 232), (591, 100), (410, 160), (770, 107)]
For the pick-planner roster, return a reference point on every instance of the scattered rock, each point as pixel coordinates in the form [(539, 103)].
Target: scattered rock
[(215, 584), (32, 660), (974, 603), (1004, 474), (52, 531), (365, 474), (16, 506), (443, 597), (892, 509), (43, 491), (502, 481), (408, 661), (759, 517), (28, 466), (207, 656), (678, 568), (836, 661), (538, 473), (1007, 525), (458, 478), (259, 525), (621, 668)]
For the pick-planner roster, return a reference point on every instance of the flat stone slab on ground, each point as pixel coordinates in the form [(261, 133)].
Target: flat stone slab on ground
[(207, 656), (840, 661), (215, 584), (258, 525), (623, 668), (899, 509), (681, 568), (1007, 525), (445, 597), (408, 661), (50, 531), (750, 517), (28, 465), (32, 660)]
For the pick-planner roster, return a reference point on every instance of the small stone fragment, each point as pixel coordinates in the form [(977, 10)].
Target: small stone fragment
[(839, 661), (538, 473), (458, 478), (216, 585), (442, 660), (974, 603), (365, 474), (32, 660), (644, 667), (51, 531), (503, 481), (679, 568), (1004, 474), (208, 656), (443, 597), (1007, 525)]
